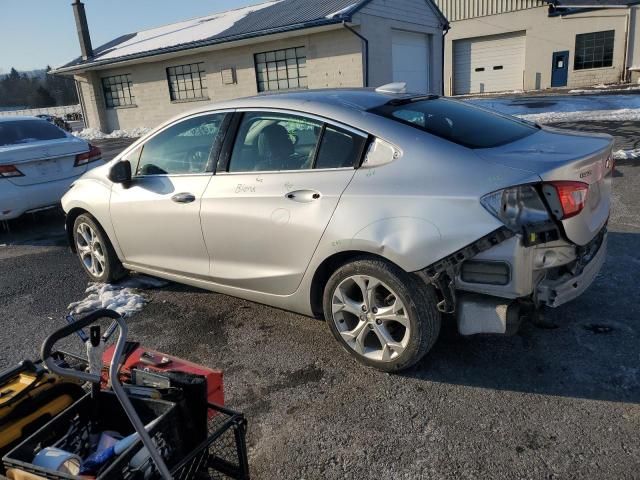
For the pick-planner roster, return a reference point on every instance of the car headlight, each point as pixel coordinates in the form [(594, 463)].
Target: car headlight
[(516, 207)]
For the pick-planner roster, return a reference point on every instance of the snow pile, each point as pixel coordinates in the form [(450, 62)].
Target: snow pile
[(567, 108), (93, 134), (627, 154), (623, 115), (193, 30), (126, 298)]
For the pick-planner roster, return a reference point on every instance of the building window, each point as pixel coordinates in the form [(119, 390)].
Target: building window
[(594, 50), (117, 91), (187, 82), (281, 69)]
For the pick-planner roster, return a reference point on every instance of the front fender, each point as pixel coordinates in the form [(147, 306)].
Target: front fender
[(91, 196)]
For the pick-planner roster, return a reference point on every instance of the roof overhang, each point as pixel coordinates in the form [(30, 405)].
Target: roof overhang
[(561, 8), (203, 46)]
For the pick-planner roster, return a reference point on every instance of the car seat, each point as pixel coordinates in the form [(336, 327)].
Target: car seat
[(275, 148)]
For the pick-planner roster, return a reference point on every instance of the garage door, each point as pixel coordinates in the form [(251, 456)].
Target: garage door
[(410, 53), (488, 64)]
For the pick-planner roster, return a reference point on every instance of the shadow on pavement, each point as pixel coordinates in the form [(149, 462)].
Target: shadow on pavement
[(41, 229), (593, 353)]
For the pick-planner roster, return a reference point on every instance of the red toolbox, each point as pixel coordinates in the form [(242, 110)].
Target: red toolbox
[(143, 361)]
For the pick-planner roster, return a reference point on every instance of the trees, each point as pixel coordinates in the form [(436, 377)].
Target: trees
[(39, 89)]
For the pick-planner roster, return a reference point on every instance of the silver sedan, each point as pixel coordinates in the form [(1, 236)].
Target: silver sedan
[(384, 212)]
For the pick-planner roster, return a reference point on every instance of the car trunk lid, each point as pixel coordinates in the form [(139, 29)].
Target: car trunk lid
[(558, 155), (45, 161)]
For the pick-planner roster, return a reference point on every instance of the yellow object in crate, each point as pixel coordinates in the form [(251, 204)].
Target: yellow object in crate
[(29, 398)]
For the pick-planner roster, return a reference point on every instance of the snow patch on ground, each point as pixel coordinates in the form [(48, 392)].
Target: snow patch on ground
[(196, 29), (567, 108), (93, 134), (626, 114), (127, 297), (627, 154), (603, 89)]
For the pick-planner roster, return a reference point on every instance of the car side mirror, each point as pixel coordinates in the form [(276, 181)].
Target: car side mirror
[(121, 173)]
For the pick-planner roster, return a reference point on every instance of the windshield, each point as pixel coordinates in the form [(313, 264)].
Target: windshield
[(458, 122), (26, 131)]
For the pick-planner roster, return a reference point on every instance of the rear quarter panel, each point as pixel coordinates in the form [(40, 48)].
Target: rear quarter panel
[(421, 207)]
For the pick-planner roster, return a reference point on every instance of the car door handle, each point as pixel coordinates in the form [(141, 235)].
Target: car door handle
[(184, 198), (303, 196)]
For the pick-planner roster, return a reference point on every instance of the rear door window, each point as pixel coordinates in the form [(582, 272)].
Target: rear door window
[(270, 142), (184, 148), (339, 148), (19, 132), (458, 122)]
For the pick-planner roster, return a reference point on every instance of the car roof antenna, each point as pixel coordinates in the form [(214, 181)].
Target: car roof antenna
[(395, 87)]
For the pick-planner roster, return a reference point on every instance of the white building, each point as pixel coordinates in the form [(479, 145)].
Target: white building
[(506, 45), (143, 78)]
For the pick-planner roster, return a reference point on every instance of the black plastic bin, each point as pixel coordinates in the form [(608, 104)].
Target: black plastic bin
[(70, 431), (223, 454)]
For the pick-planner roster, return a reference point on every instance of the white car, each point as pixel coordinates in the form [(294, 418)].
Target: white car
[(38, 163)]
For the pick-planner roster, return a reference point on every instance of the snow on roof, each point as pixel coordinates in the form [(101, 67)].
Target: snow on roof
[(271, 17), (181, 33), (343, 11)]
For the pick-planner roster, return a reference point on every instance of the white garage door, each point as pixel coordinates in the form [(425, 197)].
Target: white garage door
[(488, 64), (410, 53)]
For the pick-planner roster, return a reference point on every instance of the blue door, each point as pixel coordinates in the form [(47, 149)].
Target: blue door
[(560, 69)]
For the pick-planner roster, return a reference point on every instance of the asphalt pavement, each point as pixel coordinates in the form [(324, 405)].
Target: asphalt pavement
[(557, 402)]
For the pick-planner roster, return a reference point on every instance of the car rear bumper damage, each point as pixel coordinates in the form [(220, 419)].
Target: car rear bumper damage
[(562, 287), (508, 274)]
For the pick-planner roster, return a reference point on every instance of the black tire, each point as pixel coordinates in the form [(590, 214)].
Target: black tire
[(418, 298), (112, 270)]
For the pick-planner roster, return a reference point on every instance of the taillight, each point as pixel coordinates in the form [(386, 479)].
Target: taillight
[(9, 171), (94, 154), (516, 206), (571, 195)]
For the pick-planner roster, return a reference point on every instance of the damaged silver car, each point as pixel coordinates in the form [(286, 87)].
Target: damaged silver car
[(381, 211)]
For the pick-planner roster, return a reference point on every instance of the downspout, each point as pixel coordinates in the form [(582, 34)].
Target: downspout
[(83, 108), (626, 73), (365, 46), (446, 29)]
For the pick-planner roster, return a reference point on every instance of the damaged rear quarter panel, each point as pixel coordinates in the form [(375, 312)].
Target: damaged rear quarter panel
[(419, 208)]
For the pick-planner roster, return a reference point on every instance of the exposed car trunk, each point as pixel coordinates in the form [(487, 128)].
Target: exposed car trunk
[(558, 155), (45, 161)]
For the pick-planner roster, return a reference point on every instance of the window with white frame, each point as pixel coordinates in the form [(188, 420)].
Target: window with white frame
[(281, 69)]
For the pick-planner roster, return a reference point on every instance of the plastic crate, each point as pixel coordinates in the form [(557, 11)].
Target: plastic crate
[(223, 454), (70, 431)]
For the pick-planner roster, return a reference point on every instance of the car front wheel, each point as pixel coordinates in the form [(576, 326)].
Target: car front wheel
[(95, 251), (382, 315)]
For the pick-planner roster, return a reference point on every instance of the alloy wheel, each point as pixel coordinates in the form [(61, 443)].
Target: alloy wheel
[(370, 318), (90, 249)]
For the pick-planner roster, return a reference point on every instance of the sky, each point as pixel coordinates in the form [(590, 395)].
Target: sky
[(37, 33)]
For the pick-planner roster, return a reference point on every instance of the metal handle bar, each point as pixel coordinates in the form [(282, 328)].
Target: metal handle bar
[(114, 369), (51, 340)]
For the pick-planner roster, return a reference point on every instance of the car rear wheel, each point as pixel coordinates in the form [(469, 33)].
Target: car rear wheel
[(382, 315), (95, 251)]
